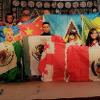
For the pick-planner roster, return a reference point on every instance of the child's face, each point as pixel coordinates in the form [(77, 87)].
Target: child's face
[(9, 19), (46, 28), (71, 38), (94, 35), (26, 12)]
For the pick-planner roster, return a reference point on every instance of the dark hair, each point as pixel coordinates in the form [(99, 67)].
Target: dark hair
[(8, 14), (25, 9), (46, 23), (72, 33), (89, 39)]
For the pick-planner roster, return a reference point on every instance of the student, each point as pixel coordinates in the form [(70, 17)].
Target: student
[(46, 29), (73, 38), (9, 20), (93, 38), (25, 15)]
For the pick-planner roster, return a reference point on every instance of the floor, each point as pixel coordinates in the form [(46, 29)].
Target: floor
[(49, 90)]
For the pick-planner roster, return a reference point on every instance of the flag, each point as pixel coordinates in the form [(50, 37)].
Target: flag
[(65, 23), (32, 51), (34, 28), (78, 63), (52, 63), (73, 63), (61, 25), (83, 63), (94, 58), (87, 24), (96, 21), (10, 61)]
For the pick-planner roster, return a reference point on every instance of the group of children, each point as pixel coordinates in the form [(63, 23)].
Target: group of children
[(93, 38)]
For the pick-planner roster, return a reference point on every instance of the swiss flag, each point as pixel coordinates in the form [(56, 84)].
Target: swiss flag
[(34, 28)]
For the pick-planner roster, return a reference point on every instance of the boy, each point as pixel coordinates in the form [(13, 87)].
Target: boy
[(46, 29)]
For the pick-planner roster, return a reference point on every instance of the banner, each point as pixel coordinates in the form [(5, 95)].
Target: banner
[(50, 56), (36, 48), (61, 25), (10, 62), (33, 47), (75, 63), (65, 24)]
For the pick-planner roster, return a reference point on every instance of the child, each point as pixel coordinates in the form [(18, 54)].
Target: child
[(73, 39), (93, 38), (46, 29), (9, 20), (25, 16)]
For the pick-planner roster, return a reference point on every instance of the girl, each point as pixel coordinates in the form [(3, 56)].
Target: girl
[(93, 38)]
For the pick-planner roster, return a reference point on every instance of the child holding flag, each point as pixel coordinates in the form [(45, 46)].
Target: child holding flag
[(93, 38)]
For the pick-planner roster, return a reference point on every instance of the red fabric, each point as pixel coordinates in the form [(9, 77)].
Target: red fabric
[(78, 63), (57, 39), (59, 62), (57, 59), (35, 27)]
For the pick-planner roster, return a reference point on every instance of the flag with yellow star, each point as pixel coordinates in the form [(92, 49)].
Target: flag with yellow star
[(34, 28)]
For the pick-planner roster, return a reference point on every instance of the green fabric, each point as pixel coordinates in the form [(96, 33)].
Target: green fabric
[(26, 59), (11, 76), (18, 50)]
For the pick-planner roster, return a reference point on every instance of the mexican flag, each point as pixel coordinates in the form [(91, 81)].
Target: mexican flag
[(43, 53), (83, 63), (10, 65), (32, 51)]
